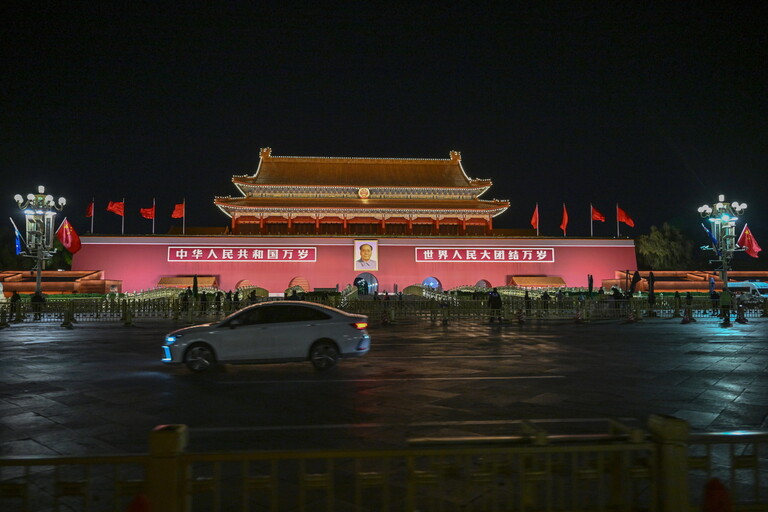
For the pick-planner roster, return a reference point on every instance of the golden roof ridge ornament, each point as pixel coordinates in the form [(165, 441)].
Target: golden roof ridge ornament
[(455, 156)]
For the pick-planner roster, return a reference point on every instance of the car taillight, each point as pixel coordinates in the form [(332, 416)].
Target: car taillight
[(360, 325)]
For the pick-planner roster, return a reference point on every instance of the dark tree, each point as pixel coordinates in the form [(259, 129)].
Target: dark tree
[(664, 249)]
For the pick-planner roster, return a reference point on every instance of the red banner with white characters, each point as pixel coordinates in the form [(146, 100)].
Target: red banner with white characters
[(486, 254), (242, 254)]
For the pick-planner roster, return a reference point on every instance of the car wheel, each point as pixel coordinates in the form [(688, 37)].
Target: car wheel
[(324, 355), (200, 358)]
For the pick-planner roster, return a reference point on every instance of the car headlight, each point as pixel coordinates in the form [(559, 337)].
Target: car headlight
[(171, 338)]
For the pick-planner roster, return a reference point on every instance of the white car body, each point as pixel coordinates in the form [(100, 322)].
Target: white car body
[(271, 332)]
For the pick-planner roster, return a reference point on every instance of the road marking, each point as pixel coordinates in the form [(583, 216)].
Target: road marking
[(456, 356), (402, 379), (263, 428)]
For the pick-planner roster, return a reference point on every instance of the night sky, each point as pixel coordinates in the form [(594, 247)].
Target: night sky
[(657, 106)]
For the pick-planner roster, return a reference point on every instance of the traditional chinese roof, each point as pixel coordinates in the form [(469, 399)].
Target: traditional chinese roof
[(295, 204), (360, 172), (360, 186)]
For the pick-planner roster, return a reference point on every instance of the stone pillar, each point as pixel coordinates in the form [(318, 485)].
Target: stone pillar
[(671, 436), (166, 475)]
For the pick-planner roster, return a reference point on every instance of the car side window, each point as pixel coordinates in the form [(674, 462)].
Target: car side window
[(280, 314), (252, 317), (308, 314)]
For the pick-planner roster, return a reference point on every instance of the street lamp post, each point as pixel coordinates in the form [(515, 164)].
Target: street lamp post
[(40, 212), (722, 218)]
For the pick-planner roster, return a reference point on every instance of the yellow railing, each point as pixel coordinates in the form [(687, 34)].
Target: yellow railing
[(622, 468), (433, 307)]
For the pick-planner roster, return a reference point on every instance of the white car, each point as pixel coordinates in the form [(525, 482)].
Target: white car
[(271, 332)]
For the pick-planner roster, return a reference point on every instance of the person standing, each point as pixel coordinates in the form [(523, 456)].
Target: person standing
[(726, 300), (16, 306), (494, 304), (714, 297), (37, 305)]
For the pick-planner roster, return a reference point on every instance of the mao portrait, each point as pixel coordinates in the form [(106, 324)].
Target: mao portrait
[(366, 255)]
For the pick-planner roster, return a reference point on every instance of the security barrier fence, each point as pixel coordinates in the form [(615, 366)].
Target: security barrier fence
[(435, 308), (663, 468)]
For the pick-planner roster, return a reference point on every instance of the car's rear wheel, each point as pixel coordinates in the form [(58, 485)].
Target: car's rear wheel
[(200, 358), (324, 355)]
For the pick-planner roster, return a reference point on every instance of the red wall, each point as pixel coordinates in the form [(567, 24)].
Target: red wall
[(140, 262)]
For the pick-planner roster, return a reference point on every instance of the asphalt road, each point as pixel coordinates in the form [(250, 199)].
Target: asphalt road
[(102, 388)]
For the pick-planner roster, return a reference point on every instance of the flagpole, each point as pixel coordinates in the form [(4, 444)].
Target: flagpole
[(617, 220), (591, 222), (93, 211), (153, 215), (122, 229), (184, 217)]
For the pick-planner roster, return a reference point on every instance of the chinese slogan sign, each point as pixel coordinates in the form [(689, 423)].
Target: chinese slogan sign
[(242, 254), (490, 254)]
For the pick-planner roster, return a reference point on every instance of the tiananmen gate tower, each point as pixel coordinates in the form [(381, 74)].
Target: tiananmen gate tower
[(326, 222)]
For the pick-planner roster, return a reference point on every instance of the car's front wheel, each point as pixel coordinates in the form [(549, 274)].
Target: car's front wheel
[(324, 355), (200, 358)]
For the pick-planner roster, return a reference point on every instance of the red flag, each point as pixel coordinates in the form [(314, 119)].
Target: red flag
[(748, 242), (117, 207), (596, 215), (564, 224), (178, 211), (535, 218), (147, 213), (89, 211), (68, 237), (622, 216)]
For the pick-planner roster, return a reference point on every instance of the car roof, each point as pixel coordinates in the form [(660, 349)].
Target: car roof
[(303, 303)]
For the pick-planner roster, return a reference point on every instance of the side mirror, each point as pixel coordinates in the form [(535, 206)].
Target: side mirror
[(234, 323)]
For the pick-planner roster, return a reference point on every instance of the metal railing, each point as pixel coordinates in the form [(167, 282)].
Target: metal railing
[(621, 468), (437, 307)]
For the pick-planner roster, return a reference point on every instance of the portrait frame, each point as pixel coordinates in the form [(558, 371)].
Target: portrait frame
[(357, 258)]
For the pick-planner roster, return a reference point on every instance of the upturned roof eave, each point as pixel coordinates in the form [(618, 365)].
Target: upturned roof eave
[(246, 183)]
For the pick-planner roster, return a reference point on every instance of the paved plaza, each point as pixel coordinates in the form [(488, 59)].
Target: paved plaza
[(101, 388)]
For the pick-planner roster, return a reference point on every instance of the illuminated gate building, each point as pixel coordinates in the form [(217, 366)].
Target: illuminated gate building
[(327, 222), (360, 196)]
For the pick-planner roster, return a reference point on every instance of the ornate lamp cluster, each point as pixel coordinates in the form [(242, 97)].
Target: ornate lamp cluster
[(722, 217), (40, 212)]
